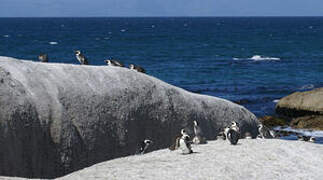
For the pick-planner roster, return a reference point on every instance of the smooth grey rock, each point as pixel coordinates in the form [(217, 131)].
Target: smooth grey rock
[(301, 104), (58, 118)]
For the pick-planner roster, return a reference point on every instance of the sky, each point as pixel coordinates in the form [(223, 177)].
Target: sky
[(108, 8)]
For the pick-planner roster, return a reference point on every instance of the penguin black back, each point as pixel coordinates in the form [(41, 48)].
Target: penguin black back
[(233, 136)]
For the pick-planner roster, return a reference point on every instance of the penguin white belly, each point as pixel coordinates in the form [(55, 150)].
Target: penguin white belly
[(183, 146)]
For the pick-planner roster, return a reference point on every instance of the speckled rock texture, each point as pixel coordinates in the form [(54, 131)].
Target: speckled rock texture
[(58, 118)]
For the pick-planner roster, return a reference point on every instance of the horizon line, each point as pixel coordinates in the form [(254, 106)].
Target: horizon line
[(274, 16)]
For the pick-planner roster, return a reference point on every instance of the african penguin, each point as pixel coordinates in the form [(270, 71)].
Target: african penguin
[(265, 132), (225, 132), (43, 58), (184, 143), (232, 133), (143, 146), (235, 126), (137, 68), (175, 145), (113, 63), (303, 137), (199, 137), (312, 139), (81, 58), (233, 136)]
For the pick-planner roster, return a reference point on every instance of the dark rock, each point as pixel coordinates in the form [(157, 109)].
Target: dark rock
[(271, 121), (308, 122), (242, 101), (58, 118)]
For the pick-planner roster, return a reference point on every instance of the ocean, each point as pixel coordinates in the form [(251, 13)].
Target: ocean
[(254, 61)]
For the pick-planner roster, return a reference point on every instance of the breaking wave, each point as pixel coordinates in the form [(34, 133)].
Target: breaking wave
[(264, 58)]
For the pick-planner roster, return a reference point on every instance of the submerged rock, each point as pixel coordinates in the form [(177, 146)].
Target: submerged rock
[(58, 118)]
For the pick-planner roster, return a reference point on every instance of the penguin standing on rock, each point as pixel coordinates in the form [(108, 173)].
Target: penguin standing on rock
[(176, 144), (233, 133), (199, 137), (233, 136), (223, 134), (43, 58), (184, 143), (265, 132), (81, 58), (144, 146)]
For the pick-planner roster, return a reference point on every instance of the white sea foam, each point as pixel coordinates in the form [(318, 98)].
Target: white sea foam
[(6, 36), (123, 30), (307, 86), (236, 59), (302, 131), (53, 43), (276, 100), (264, 58)]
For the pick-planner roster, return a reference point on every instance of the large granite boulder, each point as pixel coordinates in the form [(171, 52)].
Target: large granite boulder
[(303, 109), (301, 104), (58, 118)]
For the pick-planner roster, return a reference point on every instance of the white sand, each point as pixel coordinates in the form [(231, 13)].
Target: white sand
[(250, 159)]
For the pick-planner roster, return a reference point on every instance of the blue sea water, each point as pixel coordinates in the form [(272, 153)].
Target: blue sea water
[(251, 60)]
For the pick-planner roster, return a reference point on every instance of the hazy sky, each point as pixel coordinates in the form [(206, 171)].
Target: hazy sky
[(81, 8)]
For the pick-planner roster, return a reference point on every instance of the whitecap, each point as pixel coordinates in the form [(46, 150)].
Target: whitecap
[(152, 26), (276, 100), (306, 132), (236, 59), (264, 58), (6, 36), (306, 87), (53, 43), (123, 30)]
